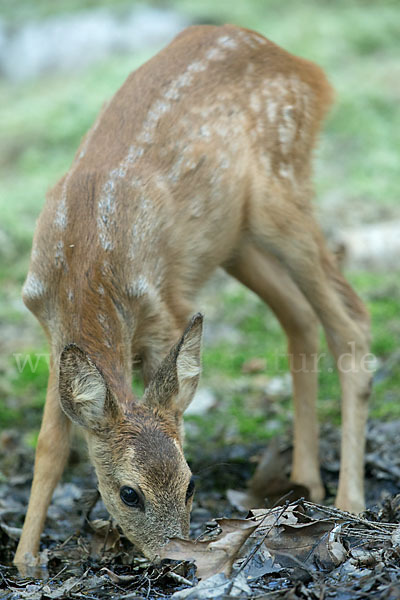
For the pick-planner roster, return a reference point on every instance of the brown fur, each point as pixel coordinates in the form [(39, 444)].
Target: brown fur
[(202, 159)]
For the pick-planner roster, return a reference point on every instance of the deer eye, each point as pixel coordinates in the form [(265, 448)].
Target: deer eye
[(130, 497), (190, 490)]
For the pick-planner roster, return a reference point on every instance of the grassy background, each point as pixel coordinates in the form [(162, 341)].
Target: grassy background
[(356, 42)]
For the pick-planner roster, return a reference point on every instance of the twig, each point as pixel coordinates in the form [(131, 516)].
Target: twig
[(58, 574), (179, 579), (258, 545), (65, 541), (106, 539), (285, 498), (336, 512)]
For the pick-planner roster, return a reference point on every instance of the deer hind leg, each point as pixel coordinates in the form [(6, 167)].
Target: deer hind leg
[(291, 234), (265, 276), (51, 455)]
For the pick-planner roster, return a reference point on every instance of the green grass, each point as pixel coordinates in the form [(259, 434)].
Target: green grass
[(28, 373), (356, 42)]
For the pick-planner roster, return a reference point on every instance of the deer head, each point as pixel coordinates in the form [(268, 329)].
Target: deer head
[(136, 447)]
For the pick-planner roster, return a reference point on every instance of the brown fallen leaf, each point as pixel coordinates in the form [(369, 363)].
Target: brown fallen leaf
[(14, 533), (270, 480), (242, 500), (105, 537), (305, 543), (214, 556), (254, 365), (335, 547), (269, 483), (293, 538), (279, 515), (396, 537)]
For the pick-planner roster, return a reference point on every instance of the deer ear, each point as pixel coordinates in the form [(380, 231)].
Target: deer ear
[(175, 382), (84, 394)]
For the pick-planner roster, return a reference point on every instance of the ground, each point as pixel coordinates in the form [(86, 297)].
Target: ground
[(297, 550), (244, 381)]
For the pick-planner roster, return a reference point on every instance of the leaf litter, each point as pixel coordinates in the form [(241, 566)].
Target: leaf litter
[(294, 550)]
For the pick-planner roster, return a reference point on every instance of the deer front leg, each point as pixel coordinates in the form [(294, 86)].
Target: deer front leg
[(51, 455)]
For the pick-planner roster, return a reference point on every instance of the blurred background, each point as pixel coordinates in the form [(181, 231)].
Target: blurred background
[(61, 59)]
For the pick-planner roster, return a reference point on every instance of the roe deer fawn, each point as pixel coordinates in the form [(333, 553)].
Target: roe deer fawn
[(202, 159)]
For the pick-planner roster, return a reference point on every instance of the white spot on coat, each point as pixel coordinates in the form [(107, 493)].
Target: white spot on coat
[(33, 287), (156, 111), (227, 42), (105, 215), (287, 128), (248, 39), (107, 203), (215, 54), (286, 171), (275, 92), (60, 220), (255, 103), (106, 327), (272, 109), (197, 66), (205, 131), (172, 94), (259, 39), (197, 207), (59, 257), (139, 287), (266, 163)]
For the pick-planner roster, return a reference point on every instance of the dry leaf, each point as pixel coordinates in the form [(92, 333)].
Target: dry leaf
[(242, 500), (13, 533), (335, 547), (270, 481), (276, 516), (216, 587), (396, 537), (254, 365), (303, 543), (105, 537), (261, 563), (215, 556), (293, 542)]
